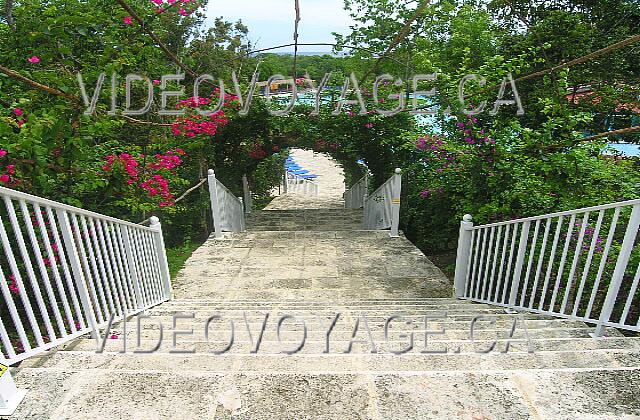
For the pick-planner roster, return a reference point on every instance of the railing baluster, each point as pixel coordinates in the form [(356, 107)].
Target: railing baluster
[(17, 231), (632, 295), (99, 257), (474, 269), (153, 277), (532, 253), (37, 253), (116, 261), (76, 267), (496, 252), (5, 341), (482, 279), (135, 281), (123, 261), (618, 273), (15, 317), (500, 281), (507, 279), (552, 257), (44, 233), (587, 265), (485, 279), (89, 261), (517, 272), (96, 225), (143, 284), (543, 250), (576, 259), (77, 311), (603, 261)]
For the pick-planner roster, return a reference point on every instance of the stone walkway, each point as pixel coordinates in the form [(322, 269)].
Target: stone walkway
[(330, 178), (314, 264)]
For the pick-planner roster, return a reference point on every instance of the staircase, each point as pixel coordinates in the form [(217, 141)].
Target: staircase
[(314, 265)]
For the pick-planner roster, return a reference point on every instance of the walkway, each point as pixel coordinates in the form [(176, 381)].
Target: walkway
[(315, 264)]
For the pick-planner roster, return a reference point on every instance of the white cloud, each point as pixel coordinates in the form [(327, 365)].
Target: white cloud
[(272, 21)]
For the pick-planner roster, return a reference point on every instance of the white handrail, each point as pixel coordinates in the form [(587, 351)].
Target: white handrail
[(354, 196), (248, 199), (227, 209), (80, 269), (299, 185), (382, 208), (570, 264)]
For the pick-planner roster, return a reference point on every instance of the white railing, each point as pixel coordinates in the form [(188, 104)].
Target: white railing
[(65, 272), (581, 264), (354, 196), (248, 198), (226, 208), (382, 208), (299, 185)]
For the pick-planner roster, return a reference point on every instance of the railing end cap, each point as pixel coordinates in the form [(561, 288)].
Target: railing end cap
[(154, 220), (211, 172), (398, 171), (467, 218)]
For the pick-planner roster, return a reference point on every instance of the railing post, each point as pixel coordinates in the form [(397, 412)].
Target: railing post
[(365, 209), (162, 256), (285, 183), (78, 274), (464, 253), (395, 203), (241, 227), (618, 274), (10, 396), (517, 273), (126, 242), (215, 207), (247, 195)]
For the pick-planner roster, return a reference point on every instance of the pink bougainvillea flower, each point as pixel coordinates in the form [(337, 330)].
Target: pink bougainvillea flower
[(34, 59), (18, 112), (128, 20), (4, 178), (156, 82), (113, 337), (157, 2), (369, 125), (20, 123), (183, 12), (3, 153)]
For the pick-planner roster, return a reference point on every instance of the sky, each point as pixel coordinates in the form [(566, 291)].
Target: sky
[(271, 22)]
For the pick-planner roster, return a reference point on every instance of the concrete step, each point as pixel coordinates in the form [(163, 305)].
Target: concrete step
[(318, 347), (514, 394), (339, 362), (305, 220)]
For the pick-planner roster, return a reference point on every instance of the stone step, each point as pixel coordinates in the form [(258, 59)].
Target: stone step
[(341, 238), (339, 362), (345, 333), (513, 394), (393, 345)]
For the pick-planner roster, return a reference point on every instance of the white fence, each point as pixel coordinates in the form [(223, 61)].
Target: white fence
[(581, 264), (227, 209), (382, 208), (298, 185), (354, 197), (65, 272)]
